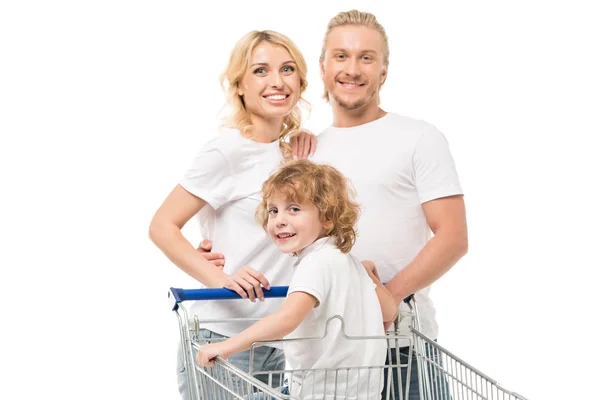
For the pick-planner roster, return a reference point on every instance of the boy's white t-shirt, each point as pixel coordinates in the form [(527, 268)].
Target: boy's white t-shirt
[(228, 173), (395, 164), (342, 287)]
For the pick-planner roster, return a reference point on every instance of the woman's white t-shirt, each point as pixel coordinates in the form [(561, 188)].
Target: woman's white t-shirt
[(228, 173)]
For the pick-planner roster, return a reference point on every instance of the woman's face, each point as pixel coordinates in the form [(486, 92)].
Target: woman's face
[(271, 84)]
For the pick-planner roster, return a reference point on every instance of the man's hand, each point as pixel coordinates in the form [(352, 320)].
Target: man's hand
[(207, 354), (304, 144), (371, 269), (247, 283), (218, 259)]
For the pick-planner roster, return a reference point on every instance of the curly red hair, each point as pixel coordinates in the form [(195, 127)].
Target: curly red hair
[(304, 181)]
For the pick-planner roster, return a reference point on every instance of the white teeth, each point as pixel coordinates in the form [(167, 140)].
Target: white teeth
[(285, 235), (276, 97)]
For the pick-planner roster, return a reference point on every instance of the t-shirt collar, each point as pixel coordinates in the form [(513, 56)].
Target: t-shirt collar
[(327, 241)]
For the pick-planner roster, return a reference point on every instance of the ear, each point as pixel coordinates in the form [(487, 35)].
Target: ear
[(383, 75), (322, 69), (328, 226)]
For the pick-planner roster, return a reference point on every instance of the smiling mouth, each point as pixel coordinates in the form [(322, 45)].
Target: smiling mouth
[(276, 97), (285, 235), (351, 85)]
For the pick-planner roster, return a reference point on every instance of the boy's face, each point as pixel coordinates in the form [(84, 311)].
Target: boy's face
[(292, 225), (353, 67)]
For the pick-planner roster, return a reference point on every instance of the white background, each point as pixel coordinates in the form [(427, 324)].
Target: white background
[(104, 104)]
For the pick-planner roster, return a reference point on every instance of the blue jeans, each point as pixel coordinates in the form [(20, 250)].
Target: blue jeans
[(265, 359), (438, 383)]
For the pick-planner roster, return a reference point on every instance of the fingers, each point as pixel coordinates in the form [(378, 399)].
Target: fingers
[(206, 357), (233, 285), (306, 149), (248, 283), (313, 144), (300, 146), (217, 259), (205, 246), (294, 144), (259, 277)]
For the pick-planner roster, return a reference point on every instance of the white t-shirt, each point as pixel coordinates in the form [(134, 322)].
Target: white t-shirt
[(395, 164), (228, 174), (342, 287)]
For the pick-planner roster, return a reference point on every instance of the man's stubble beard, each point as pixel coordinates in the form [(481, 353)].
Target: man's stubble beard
[(357, 104)]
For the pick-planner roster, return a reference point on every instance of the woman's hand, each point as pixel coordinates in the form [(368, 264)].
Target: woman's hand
[(304, 144), (248, 283)]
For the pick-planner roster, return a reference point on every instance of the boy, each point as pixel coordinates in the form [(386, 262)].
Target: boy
[(308, 212)]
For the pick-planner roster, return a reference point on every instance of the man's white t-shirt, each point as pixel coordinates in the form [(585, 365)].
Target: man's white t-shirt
[(395, 164), (342, 287), (228, 173)]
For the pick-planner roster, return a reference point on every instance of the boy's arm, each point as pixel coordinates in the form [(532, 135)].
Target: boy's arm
[(274, 326), (389, 309)]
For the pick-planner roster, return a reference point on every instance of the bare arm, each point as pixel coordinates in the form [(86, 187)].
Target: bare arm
[(165, 231), (389, 308), (274, 326), (447, 219)]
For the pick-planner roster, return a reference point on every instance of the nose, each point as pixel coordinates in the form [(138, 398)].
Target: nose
[(280, 220), (275, 80), (352, 67)]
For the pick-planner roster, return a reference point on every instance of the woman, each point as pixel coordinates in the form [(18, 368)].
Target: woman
[(265, 79)]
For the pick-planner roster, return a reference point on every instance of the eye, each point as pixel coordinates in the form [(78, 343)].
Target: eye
[(294, 209), (288, 69), (340, 56), (367, 58), (260, 70), (272, 211)]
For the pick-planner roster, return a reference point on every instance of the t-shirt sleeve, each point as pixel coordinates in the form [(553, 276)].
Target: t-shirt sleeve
[(210, 177), (311, 277), (435, 171)]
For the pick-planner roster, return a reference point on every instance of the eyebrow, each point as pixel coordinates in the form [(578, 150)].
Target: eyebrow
[(360, 51), (267, 64)]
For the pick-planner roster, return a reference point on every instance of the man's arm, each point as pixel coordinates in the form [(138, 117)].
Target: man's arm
[(447, 220), (389, 309)]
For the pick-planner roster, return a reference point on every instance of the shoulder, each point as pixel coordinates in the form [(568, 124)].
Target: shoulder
[(227, 142), (328, 258), (409, 124)]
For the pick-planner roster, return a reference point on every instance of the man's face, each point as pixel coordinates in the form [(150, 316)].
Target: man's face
[(353, 68)]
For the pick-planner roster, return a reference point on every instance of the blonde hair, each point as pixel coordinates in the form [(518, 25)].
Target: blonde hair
[(356, 18), (236, 68), (322, 185)]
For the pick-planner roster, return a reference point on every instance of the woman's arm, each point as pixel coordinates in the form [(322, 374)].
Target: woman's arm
[(165, 232), (274, 326)]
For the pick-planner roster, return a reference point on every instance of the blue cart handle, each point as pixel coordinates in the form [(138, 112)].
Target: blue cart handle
[(177, 296), (180, 295)]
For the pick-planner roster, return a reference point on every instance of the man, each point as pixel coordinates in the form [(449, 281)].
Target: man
[(401, 168)]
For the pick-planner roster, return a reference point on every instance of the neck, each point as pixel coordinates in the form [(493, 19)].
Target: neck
[(344, 118), (266, 130)]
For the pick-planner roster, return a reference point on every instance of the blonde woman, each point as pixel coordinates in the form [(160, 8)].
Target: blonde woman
[(265, 79)]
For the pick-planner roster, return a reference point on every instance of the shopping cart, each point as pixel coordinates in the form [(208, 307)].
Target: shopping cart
[(441, 375)]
